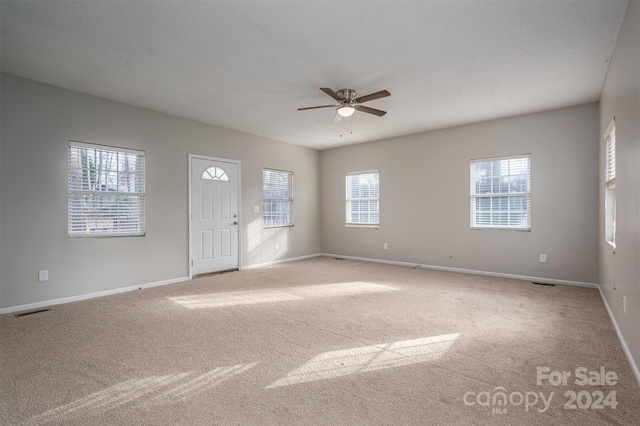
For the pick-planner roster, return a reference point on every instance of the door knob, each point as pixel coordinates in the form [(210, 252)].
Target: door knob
[(235, 223), (235, 215)]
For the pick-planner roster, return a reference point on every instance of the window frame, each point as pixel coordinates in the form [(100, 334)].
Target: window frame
[(474, 195), (289, 200), (610, 183), (349, 200), (76, 214)]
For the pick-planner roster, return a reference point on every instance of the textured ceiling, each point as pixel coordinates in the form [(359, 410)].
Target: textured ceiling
[(247, 65)]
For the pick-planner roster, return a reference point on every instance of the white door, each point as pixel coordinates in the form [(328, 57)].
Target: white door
[(214, 215)]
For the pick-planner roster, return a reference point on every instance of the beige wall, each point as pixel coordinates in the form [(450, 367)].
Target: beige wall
[(424, 191), (37, 122), (621, 99)]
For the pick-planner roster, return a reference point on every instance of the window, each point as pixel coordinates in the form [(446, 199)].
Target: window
[(610, 180), (363, 198), (500, 193), (106, 191), (277, 198), (215, 173)]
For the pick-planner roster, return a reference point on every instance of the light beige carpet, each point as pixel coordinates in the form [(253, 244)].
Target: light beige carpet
[(320, 342)]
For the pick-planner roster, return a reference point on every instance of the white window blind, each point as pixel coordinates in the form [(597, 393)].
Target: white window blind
[(501, 193), (610, 155), (363, 198), (610, 180), (106, 193), (277, 198)]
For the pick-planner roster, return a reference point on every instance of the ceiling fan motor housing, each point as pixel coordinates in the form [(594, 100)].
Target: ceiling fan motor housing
[(348, 95)]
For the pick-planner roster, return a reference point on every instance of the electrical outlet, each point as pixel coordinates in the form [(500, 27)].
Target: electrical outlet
[(543, 258), (276, 246), (624, 304), (256, 209), (386, 246), (43, 275)]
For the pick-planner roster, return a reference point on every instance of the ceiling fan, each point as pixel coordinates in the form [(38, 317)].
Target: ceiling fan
[(348, 103)]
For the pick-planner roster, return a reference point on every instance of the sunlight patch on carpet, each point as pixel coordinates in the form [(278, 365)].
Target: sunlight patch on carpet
[(202, 383), (250, 297), (109, 398), (216, 300), (364, 359), (168, 389)]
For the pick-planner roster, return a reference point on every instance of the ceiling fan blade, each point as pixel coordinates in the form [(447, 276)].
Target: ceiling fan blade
[(337, 118), (316, 107), (331, 93), (372, 96), (371, 111)]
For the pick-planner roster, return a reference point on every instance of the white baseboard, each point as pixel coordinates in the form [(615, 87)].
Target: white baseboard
[(469, 271), (276, 262), (86, 296), (627, 352), (625, 348), (62, 300)]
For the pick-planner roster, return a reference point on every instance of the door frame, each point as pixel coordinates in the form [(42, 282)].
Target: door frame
[(190, 213)]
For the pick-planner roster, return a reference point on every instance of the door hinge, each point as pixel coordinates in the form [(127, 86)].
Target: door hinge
[(191, 262)]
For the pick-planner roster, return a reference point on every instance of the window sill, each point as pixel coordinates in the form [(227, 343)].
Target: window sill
[(111, 235), (363, 225), (278, 226), (474, 228)]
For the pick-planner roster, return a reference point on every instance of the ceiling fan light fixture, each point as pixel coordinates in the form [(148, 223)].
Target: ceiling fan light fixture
[(346, 110)]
